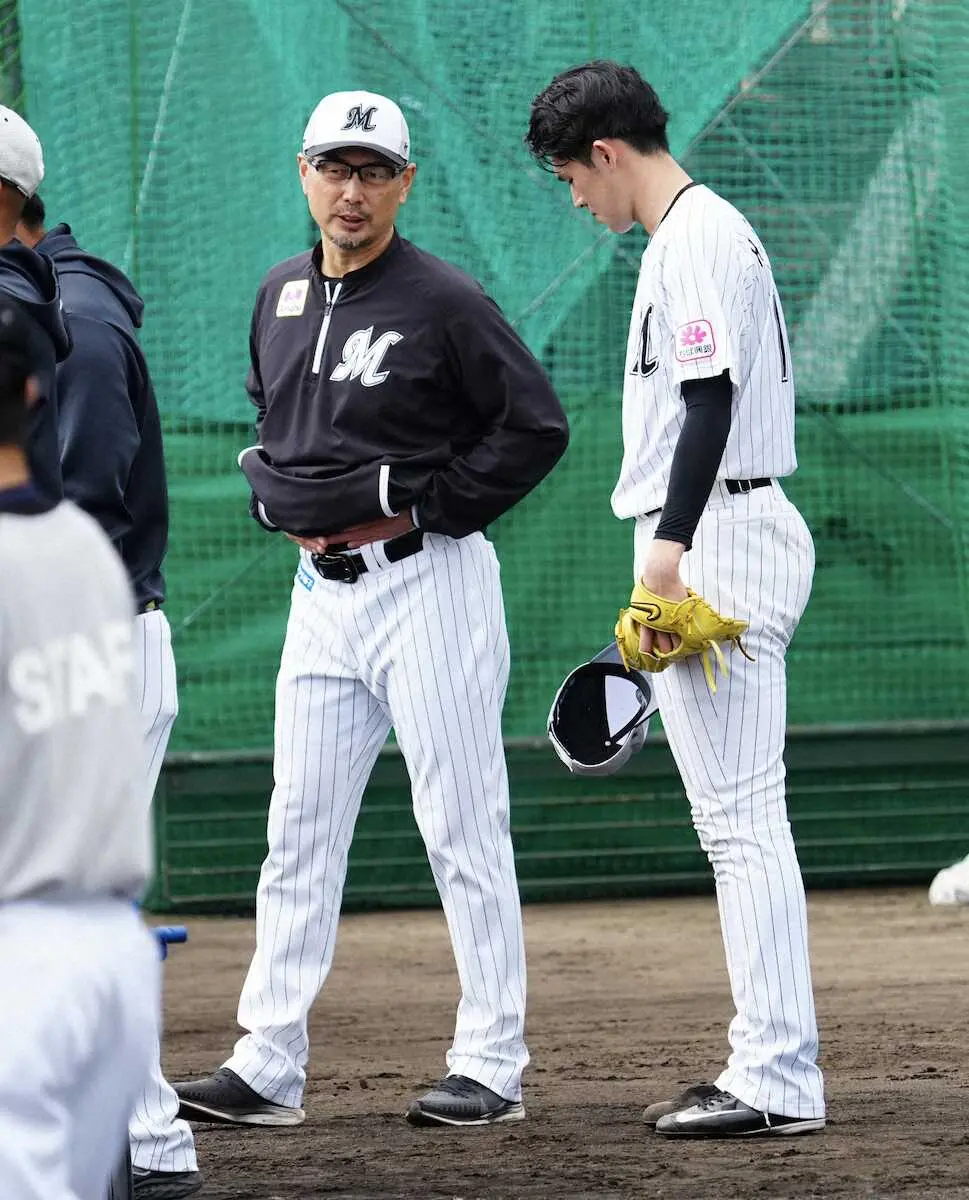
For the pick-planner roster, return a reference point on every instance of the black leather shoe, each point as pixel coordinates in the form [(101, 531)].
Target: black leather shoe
[(722, 1115), (458, 1100), (686, 1099), (225, 1099)]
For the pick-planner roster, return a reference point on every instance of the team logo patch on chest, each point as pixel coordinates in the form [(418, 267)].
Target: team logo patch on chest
[(362, 357), (695, 340), (292, 298)]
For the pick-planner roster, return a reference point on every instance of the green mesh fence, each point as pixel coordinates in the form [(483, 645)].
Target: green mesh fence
[(171, 131), (11, 80)]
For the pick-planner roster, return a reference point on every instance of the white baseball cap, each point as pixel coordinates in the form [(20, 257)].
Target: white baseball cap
[(358, 119), (21, 157)]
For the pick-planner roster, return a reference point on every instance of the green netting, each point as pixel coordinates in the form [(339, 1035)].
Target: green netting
[(171, 131), (11, 81)]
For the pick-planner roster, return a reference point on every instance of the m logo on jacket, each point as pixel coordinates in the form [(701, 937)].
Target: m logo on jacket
[(361, 360)]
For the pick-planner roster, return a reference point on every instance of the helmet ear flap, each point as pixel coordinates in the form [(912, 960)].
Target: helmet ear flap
[(600, 715)]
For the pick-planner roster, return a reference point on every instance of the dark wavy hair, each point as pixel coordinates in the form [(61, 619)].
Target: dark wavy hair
[(600, 99), (34, 213)]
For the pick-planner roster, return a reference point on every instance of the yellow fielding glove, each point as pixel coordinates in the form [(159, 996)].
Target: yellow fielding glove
[(697, 628)]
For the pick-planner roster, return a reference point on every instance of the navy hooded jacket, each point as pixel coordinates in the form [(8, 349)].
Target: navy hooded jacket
[(110, 434)]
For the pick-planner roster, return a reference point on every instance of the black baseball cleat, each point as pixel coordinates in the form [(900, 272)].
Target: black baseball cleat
[(225, 1099), (722, 1115), (457, 1100), (686, 1099), (164, 1185)]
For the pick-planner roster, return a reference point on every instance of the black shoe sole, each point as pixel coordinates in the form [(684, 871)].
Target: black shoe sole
[(801, 1127), (157, 1187), (272, 1117), (416, 1115)]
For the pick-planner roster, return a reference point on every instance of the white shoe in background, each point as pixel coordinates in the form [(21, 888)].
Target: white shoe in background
[(951, 885)]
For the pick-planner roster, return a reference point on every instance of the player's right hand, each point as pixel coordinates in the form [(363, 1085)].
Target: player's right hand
[(313, 545)]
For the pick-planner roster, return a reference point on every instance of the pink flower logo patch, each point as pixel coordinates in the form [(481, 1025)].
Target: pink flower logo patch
[(695, 341)]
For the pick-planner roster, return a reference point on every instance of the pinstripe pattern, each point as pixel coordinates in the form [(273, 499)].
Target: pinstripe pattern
[(158, 1140), (753, 558), (705, 263), (420, 644), (156, 688)]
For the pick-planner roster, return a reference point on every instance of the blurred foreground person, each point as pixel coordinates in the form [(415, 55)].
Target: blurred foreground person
[(113, 467), (29, 278), (79, 990)]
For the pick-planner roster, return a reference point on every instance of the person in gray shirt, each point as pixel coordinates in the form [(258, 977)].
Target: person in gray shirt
[(113, 468), (80, 986)]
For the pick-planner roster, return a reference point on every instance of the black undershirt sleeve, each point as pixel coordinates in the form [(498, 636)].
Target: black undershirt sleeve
[(699, 451)]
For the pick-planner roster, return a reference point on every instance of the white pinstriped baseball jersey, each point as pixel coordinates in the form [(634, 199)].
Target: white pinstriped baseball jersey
[(705, 303)]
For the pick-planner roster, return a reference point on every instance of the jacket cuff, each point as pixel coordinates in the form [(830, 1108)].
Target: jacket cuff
[(257, 510)]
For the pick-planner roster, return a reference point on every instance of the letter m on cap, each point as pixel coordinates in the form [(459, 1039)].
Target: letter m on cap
[(361, 118)]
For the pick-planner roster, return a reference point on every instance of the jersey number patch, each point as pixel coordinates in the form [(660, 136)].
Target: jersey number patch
[(646, 361)]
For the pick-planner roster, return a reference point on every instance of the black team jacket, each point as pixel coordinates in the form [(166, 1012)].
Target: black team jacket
[(398, 388)]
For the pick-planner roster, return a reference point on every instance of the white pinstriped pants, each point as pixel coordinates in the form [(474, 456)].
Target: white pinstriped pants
[(420, 644), (159, 1141), (752, 558)]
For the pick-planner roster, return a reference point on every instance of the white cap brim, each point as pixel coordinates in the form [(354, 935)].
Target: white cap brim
[(312, 152)]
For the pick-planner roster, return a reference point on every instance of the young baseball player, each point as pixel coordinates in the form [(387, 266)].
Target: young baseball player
[(113, 468), (708, 430), (79, 988), (398, 416)]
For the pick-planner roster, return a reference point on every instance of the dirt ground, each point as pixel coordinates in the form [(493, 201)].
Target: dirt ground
[(627, 1002)]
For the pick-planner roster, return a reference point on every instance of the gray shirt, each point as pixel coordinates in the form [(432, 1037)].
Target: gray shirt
[(73, 817)]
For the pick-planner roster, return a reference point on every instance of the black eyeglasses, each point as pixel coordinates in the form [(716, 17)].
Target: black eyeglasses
[(371, 174)]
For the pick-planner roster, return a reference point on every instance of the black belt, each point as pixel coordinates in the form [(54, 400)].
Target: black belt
[(341, 567), (736, 486)]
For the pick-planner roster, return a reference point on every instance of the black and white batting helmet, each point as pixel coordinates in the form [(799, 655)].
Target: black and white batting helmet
[(600, 715)]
